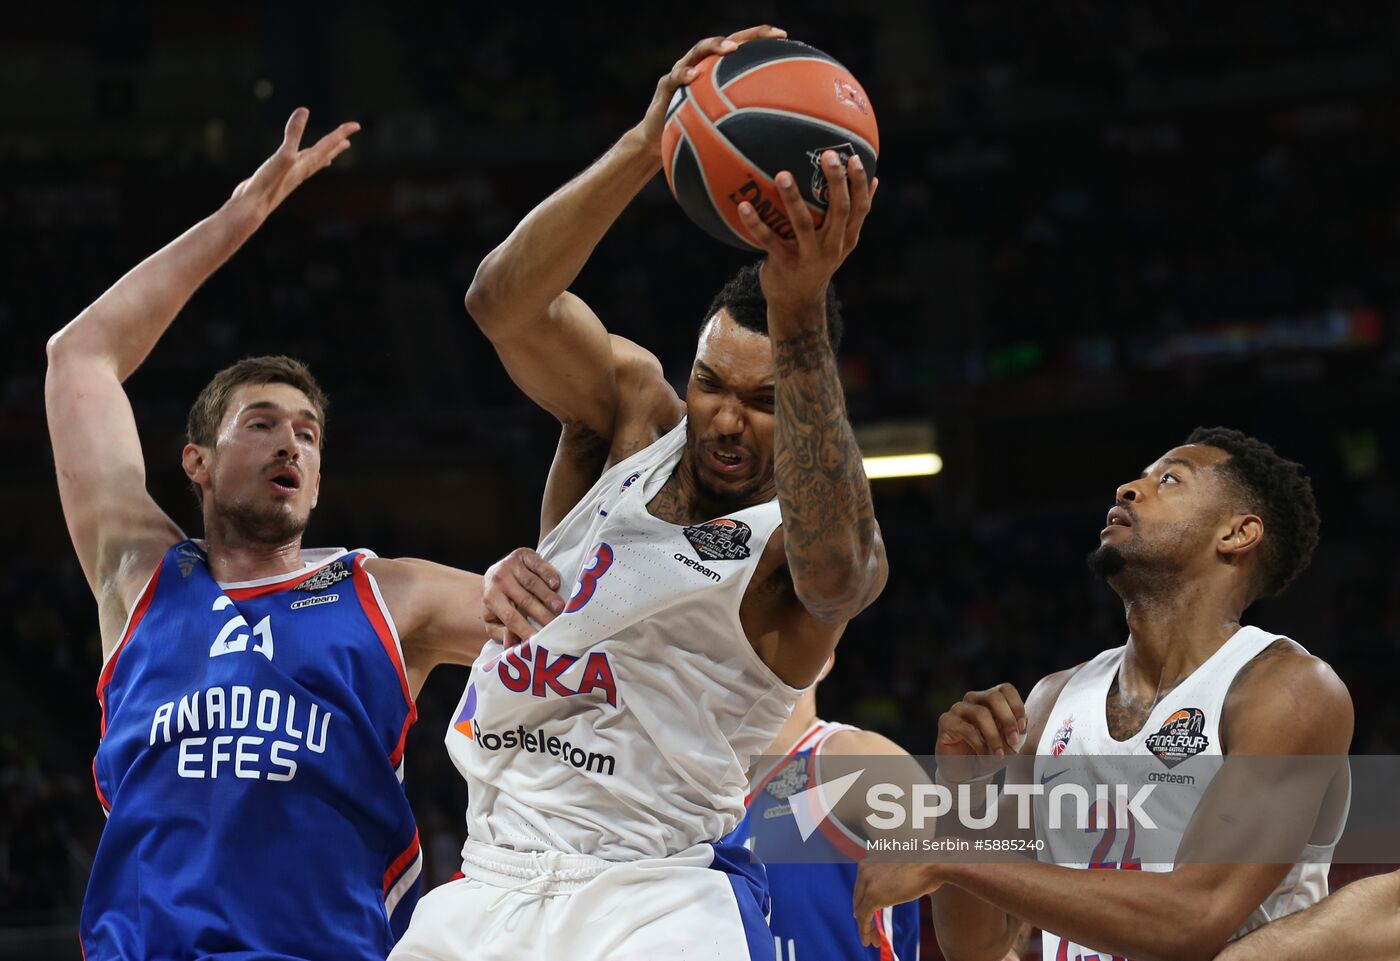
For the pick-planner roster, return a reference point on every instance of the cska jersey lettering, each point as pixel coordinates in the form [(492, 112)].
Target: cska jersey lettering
[(522, 670)]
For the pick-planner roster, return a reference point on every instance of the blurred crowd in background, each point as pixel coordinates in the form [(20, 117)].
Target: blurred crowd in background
[(1099, 225)]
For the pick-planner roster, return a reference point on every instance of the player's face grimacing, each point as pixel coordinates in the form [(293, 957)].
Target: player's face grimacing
[(729, 404), (1168, 519), (264, 473)]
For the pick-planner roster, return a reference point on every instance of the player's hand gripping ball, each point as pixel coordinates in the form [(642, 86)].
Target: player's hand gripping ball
[(768, 106)]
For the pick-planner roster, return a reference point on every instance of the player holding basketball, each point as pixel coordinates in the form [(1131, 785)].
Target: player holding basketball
[(255, 696), (809, 917), (719, 544), (1209, 528)]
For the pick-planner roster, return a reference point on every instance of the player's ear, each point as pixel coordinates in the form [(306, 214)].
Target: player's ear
[(195, 460), (316, 490), (1245, 533)]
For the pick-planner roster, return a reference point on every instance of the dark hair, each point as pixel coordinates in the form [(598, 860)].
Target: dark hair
[(742, 297), (202, 427), (1278, 491)]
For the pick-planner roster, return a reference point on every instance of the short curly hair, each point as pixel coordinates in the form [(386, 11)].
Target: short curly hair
[(1278, 491), (742, 296)]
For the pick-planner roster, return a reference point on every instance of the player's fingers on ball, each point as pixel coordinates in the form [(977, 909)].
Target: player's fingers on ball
[(838, 208), (758, 230), (703, 49), (764, 32), (980, 719), (795, 207)]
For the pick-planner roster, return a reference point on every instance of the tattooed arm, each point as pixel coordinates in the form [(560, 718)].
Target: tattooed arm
[(834, 552)]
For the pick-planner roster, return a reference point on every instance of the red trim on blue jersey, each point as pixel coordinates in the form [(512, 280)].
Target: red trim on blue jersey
[(286, 584), (370, 604), (817, 728), (886, 949), (401, 862), (96, 786), (143, 603)]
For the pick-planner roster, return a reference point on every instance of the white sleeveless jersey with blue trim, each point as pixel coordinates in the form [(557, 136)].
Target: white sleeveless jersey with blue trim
[(1185, 722), (625, 727)]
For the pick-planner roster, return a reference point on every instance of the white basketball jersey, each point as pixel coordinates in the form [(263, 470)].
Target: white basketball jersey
[(624, 729), (1185, 727)]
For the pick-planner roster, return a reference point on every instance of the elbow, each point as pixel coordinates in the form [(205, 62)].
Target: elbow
[(482, 302), (58, 347), (836, 597), (1201, 941)]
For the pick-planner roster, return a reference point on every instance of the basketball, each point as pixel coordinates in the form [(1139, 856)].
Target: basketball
[(769, 106)]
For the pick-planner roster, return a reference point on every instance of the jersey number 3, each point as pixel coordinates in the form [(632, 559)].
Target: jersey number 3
[(588, 579)]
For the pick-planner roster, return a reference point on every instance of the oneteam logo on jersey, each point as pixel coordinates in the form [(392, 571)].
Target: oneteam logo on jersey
[(1182, 736), (723, 540)]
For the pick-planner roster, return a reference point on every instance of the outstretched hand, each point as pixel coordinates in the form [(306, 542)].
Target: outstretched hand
[(797, 270), (684, 71), (290, 166)]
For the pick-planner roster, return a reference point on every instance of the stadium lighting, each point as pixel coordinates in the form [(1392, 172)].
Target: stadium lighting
[(903, 465)]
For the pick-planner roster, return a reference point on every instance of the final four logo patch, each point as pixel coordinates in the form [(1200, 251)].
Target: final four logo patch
[(721, 540), (327, 576), (1181, 737), (789, 781)]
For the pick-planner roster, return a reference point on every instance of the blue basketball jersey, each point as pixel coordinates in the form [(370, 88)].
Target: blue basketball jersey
[(811, 916), (251, 769)]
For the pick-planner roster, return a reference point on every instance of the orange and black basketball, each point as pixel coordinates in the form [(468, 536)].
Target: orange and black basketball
[(769, 106)]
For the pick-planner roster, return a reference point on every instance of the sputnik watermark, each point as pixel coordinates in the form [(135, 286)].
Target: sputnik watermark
[(889, 811), (928, 802)]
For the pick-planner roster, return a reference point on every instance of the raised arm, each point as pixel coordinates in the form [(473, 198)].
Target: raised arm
[(834, 551), (117, 529), (554, 347)]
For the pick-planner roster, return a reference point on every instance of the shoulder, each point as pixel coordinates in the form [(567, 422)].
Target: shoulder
[(856, 741), (1047, 690), (648, 406), (1288, 699), (1041, 701), (413, 588)]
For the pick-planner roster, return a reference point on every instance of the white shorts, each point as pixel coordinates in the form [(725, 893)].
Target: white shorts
[(709, 902)]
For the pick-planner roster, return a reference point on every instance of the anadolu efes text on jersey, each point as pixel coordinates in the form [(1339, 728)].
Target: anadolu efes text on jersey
[(623, 729), (251, 764)]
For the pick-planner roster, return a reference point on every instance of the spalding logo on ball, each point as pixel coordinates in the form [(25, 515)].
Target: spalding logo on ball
[(769, 106)]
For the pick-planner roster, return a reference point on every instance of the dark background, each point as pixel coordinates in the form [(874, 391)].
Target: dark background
[(1099, 225)]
